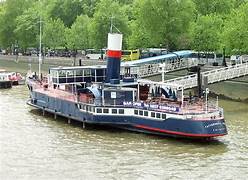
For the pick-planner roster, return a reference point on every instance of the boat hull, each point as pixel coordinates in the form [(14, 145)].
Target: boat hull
[(5, 84), (169, 127)]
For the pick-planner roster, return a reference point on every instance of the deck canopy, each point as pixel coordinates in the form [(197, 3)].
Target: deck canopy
[(77, 74), (161, 59)]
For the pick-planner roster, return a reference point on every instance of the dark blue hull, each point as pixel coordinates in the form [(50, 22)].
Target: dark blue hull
[(170, 126)]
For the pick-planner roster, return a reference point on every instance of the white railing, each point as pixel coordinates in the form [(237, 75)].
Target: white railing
[(146, 70), (226, 73), (216, 75)]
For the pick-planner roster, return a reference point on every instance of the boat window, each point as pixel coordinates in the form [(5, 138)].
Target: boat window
[(92, 109), (114, 111), (163, 116), (157, 115), (121, 111), (105, 111), (141, 113), (145, 113), (62, 73), (99, 110), (87, 72), (84, 107), (54, 73), (69, 73), (136, 112), (152, 114), (79, 72)]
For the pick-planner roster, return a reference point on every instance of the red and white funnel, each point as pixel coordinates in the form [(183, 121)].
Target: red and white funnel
[(114, 57)]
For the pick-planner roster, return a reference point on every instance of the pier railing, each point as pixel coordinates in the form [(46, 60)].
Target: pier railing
[(213, 76)]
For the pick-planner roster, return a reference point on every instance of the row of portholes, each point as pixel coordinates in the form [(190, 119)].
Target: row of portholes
[(152, 114), (111, 111)]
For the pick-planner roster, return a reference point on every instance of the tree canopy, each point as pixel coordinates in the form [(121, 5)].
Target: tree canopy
[(208, 25), (235, 34)]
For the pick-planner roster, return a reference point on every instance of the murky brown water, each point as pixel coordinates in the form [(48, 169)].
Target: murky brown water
[(37, 147)]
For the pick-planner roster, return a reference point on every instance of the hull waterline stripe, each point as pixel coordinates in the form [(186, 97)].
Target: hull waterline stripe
[(177, 133), (114, 54)]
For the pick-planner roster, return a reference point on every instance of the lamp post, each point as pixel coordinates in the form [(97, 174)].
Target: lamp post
[(224, 57), (16, 52), (163, 71)]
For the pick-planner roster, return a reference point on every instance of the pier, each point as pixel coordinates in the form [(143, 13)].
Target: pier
[(212, 76)]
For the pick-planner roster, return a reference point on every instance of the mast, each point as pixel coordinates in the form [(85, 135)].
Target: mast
[(40, 58)]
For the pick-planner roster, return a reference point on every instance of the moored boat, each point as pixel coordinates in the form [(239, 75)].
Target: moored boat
[(5, 82), (99, 95), (7, 79), (16, 78)]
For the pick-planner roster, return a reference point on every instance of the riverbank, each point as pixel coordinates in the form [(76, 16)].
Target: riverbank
[(59, 61)]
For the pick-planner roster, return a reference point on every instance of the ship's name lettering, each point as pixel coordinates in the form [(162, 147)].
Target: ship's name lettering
[(213, 124), (152, 106)]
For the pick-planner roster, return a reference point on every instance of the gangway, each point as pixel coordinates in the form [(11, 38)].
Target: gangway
[(152, 66), (213, 76)]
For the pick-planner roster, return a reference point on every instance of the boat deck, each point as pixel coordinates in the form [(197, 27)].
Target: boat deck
[(195, 107)]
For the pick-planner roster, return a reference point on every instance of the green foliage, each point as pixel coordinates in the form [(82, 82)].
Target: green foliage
[(139, 38), (101, 22), (206, 33), (9, 12), (237, 3), (235, 35), (205, 7), (89, 7), (77, 37), (204, 25), (66, 10), (27, 26), (54, 33), (163, 21)]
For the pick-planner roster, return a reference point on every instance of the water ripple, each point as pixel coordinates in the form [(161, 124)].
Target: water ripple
[(37, 147)]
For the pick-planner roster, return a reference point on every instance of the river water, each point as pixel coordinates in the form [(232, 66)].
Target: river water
[(33, 146)]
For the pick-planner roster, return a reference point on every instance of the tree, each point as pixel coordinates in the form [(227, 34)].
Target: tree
[(89, 7), (2, 11), (206, 33), (27, 27), (237, 3), (214, 6), (77, 37), (54, 33), (164, 21), (68, 10), (139, 37), (101, 22), (235, 35), (9, 11)]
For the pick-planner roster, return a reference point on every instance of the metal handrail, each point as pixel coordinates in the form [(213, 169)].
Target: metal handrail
[(215, 75)]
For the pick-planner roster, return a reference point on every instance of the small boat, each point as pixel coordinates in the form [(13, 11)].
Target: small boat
[(16, 78), (7, 79), (5, 82)]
